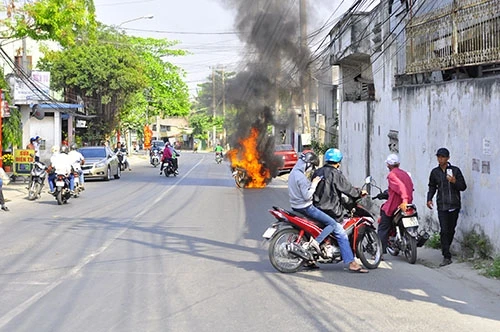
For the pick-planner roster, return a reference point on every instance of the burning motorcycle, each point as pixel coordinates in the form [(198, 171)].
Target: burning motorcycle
[(289, 237), (240, 177), (37, 180), (403, 235), (61, 190)]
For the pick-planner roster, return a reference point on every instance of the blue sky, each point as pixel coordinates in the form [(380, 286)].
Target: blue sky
[(203, 27)]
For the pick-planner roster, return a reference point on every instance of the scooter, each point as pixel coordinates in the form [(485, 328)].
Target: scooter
[(404, 235), (290, 235), (62, 193), (37, 180), (155, 157), (122, 159), (218, 157)]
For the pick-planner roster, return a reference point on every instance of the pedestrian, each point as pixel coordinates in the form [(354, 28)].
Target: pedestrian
[(448, 181), (2, 199), (400, 188), (36, 144)]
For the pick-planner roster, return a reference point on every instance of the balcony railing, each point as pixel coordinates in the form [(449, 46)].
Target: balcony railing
[(465, 33)]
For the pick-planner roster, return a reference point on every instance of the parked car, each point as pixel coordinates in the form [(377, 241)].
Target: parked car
[(289, 155), (100, 162)]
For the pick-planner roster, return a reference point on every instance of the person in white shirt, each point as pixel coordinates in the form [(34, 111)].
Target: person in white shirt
[(77, 160), (60, 163)]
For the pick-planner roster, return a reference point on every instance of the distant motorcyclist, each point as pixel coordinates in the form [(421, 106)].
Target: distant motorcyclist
[(77, 161), (170, 155), (219, 150), (156, 148), (121, 148)]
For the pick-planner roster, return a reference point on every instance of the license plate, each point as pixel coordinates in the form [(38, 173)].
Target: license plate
[(269, 233), (60, 183), (410, 222)]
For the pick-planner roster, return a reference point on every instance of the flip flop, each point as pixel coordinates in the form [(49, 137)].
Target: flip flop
[(360, 270)]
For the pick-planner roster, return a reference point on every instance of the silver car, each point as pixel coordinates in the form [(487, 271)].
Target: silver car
[(100, 162)]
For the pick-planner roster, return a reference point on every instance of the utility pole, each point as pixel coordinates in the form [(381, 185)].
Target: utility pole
[(304, 75), (213, 106), (224, 106)]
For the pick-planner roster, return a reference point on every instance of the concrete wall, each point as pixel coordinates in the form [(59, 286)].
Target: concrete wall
[(460, 115)]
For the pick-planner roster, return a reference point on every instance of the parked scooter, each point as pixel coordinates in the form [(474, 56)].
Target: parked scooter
[(62, 192), (289, 237), (37, 180), (403, 235)]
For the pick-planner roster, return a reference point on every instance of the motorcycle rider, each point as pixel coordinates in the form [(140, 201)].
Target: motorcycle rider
[(219, 150), (153, 148), (60, 163), (77, 160), (327, 196), (400, 195), (301, 192), (121, 148), (169, 155)]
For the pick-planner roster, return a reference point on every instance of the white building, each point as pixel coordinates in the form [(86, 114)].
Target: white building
[(413, 80)]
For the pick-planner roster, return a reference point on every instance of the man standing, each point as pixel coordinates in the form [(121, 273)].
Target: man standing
[(448, 181), (400, 194)]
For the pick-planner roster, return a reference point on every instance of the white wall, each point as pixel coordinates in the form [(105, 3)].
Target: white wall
[(459, 115)]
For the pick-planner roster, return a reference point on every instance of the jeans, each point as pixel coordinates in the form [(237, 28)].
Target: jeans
[(447, 223), (331, 227), (52, 178)]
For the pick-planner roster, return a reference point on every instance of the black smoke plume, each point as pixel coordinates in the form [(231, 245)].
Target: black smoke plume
[(274, 61)]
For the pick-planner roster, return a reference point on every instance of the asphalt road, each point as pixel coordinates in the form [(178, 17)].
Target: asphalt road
[(150, 253)]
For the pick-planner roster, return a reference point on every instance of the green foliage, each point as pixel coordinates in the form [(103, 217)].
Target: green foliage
[(121, 79), (476, 245), (11, 126), (319, 148), (202, 124), (493, 269), (434, 241), (59, 20)]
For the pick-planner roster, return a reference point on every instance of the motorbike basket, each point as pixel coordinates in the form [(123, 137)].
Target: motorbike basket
[(422, 237)]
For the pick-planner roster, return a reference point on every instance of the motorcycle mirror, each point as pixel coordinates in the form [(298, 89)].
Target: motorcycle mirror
[(368, 180)]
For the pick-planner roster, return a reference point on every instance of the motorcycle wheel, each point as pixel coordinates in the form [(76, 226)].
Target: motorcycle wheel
[(281, 259), (410, 247), (369, 249), (32, 192), (59, 198), (240, 180)]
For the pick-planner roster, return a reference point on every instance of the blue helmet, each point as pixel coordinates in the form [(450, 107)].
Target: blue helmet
[(333, 155)]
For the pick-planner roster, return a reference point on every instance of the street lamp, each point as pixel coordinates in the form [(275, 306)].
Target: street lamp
[(148, 17)]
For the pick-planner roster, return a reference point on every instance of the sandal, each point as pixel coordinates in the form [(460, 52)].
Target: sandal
[(358, 270)]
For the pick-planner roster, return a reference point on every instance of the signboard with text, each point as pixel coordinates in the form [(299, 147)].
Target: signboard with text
[(22, 161)]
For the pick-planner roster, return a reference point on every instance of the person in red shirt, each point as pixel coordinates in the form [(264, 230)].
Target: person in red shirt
[(167, 156), (400, 194)]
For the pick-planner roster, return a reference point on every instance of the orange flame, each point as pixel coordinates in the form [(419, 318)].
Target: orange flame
[(248, 158)]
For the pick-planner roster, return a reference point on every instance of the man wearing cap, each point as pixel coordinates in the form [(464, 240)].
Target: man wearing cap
[(448, 181), (36, 144), (400, 194)]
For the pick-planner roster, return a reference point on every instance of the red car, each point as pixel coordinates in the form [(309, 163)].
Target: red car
[(290, 157)]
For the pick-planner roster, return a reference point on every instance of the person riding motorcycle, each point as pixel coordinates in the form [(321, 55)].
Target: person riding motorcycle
[(77, 161), (328, 194), (170, 155), (60, 163), (301, 192), (219, 150), (154, 147), (121, 148)]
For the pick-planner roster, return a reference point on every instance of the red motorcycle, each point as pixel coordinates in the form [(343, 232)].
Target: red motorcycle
[(289, 238)]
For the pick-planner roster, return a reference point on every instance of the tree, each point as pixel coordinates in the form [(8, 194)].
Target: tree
[(120, 78), (11, 132), (59, 20)]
